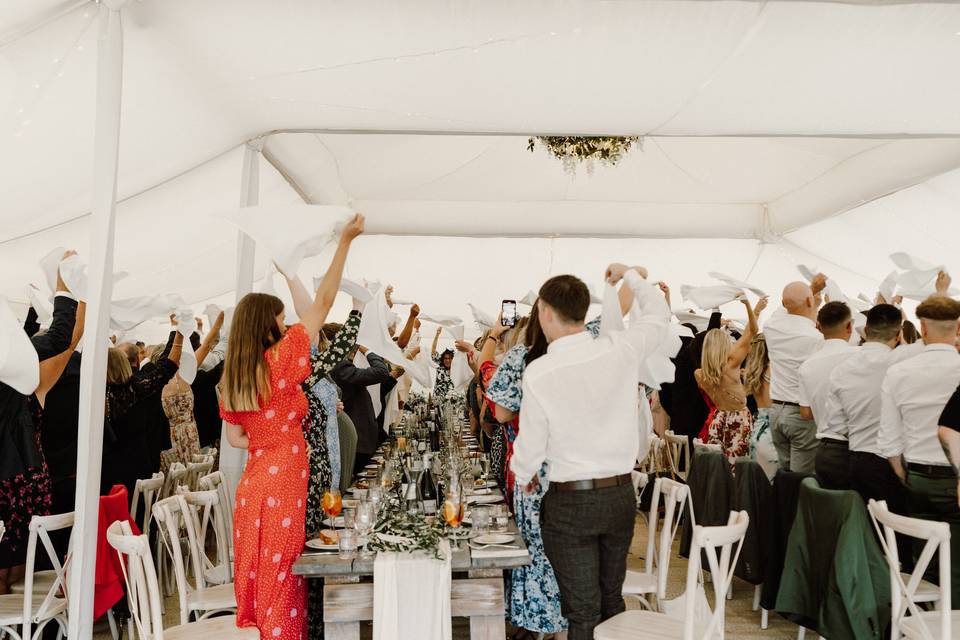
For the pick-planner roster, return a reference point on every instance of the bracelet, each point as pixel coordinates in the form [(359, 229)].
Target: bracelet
[(493, 338)]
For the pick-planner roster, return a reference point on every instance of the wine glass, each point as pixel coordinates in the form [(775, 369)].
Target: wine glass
[(366, 514), (375, 495), (453, 508), (332, 504)]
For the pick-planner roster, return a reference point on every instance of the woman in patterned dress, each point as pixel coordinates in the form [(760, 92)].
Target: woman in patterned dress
[(444, 383), (264, 404), (730, 421)]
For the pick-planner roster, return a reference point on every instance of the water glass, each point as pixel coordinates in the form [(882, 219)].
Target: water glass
[(481, 518), (348, 544), (349, 517), (364, 523), (500, 517)]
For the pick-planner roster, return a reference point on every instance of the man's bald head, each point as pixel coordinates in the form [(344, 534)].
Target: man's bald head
[(798, 299)]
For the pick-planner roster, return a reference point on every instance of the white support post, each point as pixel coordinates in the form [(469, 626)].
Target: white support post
[(93, 370), (232, 460)]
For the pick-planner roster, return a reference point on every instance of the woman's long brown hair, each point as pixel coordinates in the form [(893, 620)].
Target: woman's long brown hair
[(246, 373)]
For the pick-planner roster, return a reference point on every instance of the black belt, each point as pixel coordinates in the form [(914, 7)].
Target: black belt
[(939, 470), (786, 403), (597, 483), (834, 442)]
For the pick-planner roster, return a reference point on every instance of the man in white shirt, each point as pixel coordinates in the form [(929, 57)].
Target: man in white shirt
[(914, 394), (579, 414), (835, 322), (792, 337)]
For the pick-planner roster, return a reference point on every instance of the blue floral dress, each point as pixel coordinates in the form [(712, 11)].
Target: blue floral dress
[(534, 602)]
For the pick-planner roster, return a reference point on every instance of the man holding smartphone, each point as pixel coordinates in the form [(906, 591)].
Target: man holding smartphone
[(580, 416)]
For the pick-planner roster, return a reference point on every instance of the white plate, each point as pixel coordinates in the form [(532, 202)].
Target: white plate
[(372, 466), (494, 538), (320, 545), (484, 499)]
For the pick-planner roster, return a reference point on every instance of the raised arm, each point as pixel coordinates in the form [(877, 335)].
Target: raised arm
[(52, 368), (741, 349), (57, 338), (31, 324), (314, 317), (348, 373), (651, 325), (324, 361), (301, 301), (213, 337), (404, 338), (436, 339)]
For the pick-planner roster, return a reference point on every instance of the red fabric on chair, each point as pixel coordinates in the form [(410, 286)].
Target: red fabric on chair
[(108, 583)]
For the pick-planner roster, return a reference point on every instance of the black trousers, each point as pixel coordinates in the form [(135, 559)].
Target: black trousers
[(874, 479), (586, 536), (832, 464)]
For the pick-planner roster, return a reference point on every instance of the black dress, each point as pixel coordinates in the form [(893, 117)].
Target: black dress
[(24, 478)]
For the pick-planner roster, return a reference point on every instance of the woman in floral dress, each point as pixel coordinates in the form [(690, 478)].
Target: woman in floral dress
[(264, 405), (444, 383), (177, 398)]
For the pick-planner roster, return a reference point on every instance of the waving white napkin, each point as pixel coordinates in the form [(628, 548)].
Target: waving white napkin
[(351, 288), (411, 596), (808, 273), (701, 322), (290, 233), (73, 270), (129, 313), (460, 372), (483, 319), (42, 307), (444, 321), (530, 299), (888, 287), (740, 284), (919, 278), (374, 334), (709, 297), (19, 364), (211, 311), (49, 264), (186, 325), (656, 368)]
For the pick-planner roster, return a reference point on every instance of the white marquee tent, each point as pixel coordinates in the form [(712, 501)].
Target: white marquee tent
[(773, 133)]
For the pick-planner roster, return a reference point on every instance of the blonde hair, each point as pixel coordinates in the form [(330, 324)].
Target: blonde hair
[(246, 372), (119, 370), (716, 352), (756, 366), (516, 335)]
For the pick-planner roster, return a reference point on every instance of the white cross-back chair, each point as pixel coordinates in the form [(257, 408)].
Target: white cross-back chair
[(2, 530), (176, 475), (174, 514), (652, 581), (143, 595), (215, 482), (678, 448), (638, 625), (149, 490), (46, 600), (196, 470), (904, 588), (206, 509)]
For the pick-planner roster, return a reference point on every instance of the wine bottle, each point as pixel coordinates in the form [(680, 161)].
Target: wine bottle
[(428, 490)]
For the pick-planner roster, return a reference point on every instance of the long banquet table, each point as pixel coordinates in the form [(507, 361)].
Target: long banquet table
[(477, 589)]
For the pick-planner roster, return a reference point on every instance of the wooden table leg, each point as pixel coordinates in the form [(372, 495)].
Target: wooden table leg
[(348, 630), (488, 628)]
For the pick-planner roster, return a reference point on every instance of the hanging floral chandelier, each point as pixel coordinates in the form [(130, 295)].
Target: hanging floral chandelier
[(572, 150)]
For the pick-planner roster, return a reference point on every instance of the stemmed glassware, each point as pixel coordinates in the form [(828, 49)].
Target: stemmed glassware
[(364, 522), (332, 504)]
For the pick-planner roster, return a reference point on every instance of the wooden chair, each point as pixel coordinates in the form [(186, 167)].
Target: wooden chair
[(678, 448), (149, 489), (652, 581), (174, 514), (176, 476), (143, 595), (206, 509), (905, 589), (195, 470), (215, 482), (639, 625), (44, 598)]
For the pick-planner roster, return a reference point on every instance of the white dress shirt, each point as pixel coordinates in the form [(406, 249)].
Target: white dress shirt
[(914, 394), (791, 339), (853, 393), (814, 379), (579, 410)]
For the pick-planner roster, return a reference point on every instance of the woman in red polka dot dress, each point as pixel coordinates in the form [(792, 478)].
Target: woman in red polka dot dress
[(263, 403)]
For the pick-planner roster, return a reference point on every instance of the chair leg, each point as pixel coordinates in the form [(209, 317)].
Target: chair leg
[(112, 621), (756, 597), (764, 619), (730, 592), (130, 629), (801, 633)]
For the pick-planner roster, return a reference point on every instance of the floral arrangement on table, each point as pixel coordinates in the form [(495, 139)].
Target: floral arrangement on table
[(416, 400), (572, 150), (399, 531)]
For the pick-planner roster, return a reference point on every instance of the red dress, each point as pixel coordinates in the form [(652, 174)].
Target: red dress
[(271, 499)]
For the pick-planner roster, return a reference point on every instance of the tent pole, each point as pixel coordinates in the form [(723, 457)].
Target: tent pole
[(232, 460), (93, 369)]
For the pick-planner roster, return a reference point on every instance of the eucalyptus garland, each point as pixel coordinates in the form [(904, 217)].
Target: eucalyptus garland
[(417, 533), (588, 149)]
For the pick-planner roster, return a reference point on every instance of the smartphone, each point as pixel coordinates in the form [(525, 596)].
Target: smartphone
[(508, 313)]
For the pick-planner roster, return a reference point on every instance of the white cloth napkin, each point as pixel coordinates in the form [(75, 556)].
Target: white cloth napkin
[(483, 319), (360, 361), (656, 368), (351, 288), (888, 287), (460, 372), (530, 299), (710, 297), (186, 325), (211, 311), (919, 278), (290, 233), (19, 364), (442, 320), (43, 307), (733, 282), (374, 334), (411, 596), (689, 317), (808, 273), (49, 264), (129, 313)]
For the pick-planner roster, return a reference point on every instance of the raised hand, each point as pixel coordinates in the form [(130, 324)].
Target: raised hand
[(761, 305), (818, 284), (355, 227), (943, 283), (615, 271)]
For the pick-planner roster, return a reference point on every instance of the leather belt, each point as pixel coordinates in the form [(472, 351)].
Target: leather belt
[(786, 403), (939, 470), (834, 442), (596, 483)]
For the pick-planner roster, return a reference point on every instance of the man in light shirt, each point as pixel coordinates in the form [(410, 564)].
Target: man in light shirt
[(579, 414), (914, 394), (792, 337), (835, 322)]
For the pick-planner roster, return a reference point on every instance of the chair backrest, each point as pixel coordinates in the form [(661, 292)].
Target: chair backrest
[(660, 546), (215, 481), (197, 469), (936, 537), (176, 475), (53, 603), (143, 592), (205, 510), (709, 446), (2, 530), (679, 448), (706, 540), (149, 489), (171, 515)]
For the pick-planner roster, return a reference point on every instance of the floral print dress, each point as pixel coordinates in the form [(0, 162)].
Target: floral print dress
[(322, 435), (177, 401), (271, 498), (444, 383)]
